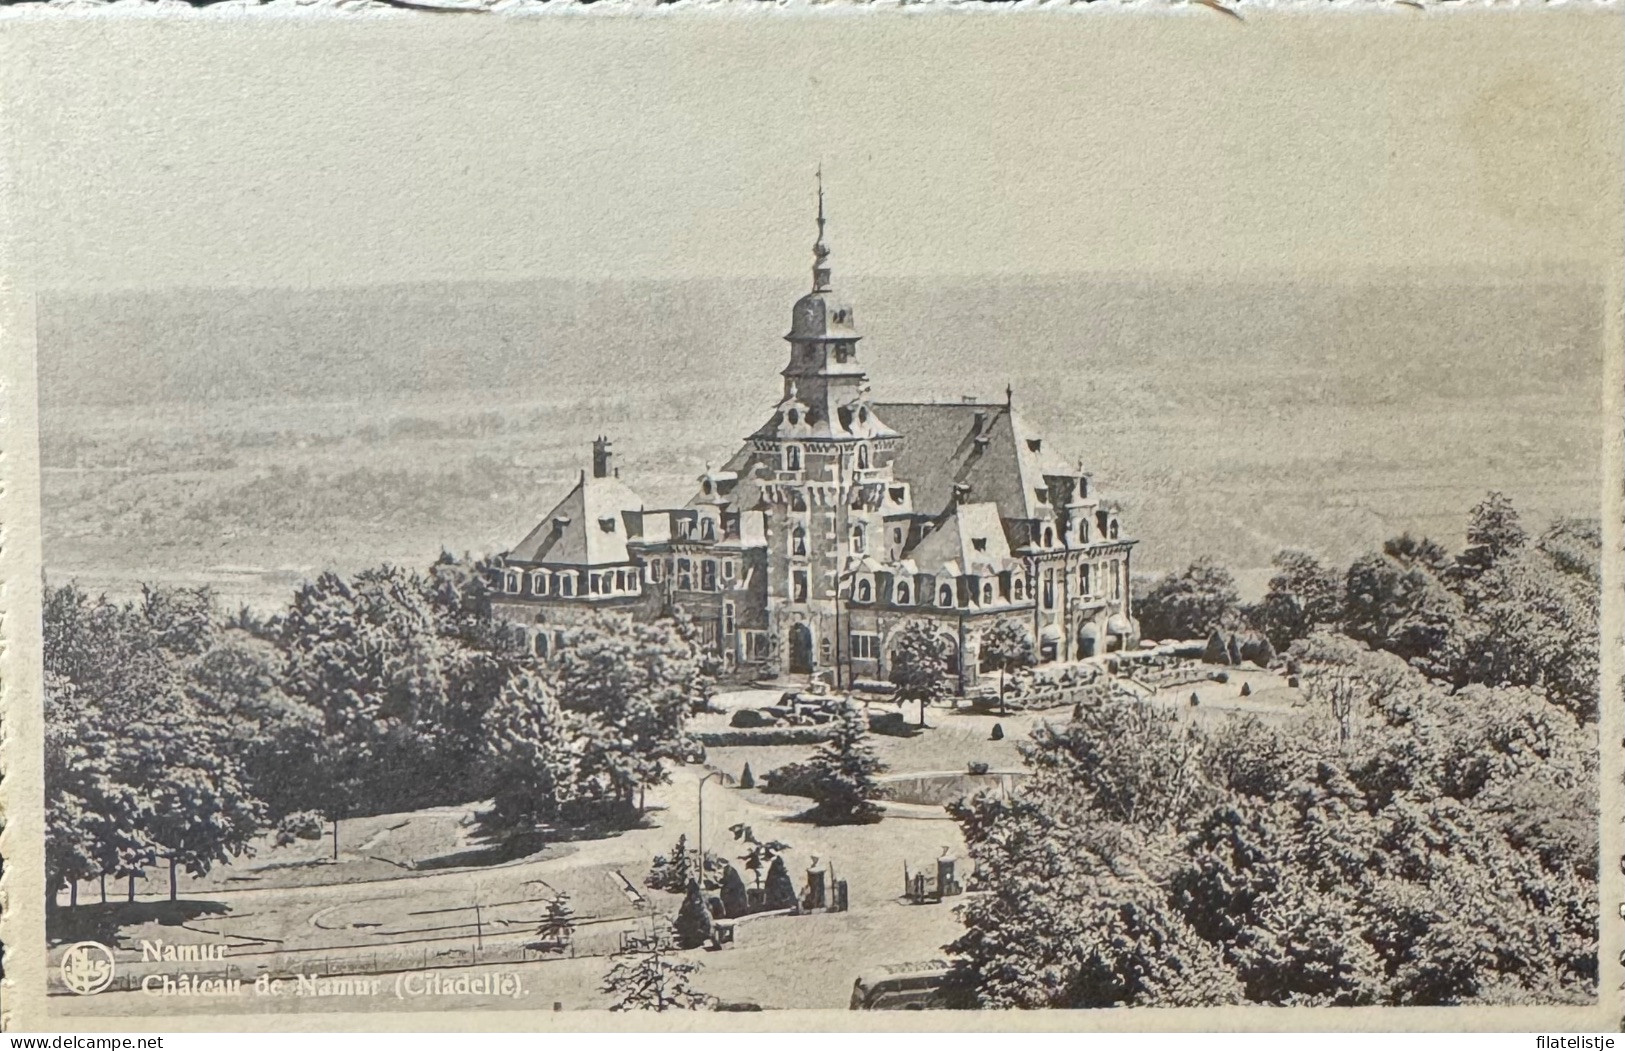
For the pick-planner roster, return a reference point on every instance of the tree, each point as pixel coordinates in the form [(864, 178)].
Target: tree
[(781, 893), (530, 758), (693, 925), (633, 685), (1494, 533), (919, 665), (1190, 604), (1303, 595), (760, 854), (651, 980), (734, 900), (1008, 645), (1217, 650), (558, 925), (747, 779), (843, 772)]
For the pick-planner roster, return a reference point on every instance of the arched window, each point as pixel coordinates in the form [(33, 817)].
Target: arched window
[(1049, 537), (798, 502), (987, 593), (511, 581), (792, 457), (1114, 529), (945, 595), (866, 591), (798, 542), (540, 644), (1018, 588), (902, 596), (863, 457), (1083, 530), (538, 582), (860, 539)]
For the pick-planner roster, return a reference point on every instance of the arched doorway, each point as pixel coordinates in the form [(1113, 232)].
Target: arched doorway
[(801, 650), (1088, 640)]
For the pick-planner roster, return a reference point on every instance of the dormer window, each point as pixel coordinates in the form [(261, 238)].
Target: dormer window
[(866, 590), (607, 523), (902, 596), (708, 529), (792, 457), (1049, 536), (793, 416), (896, 493), (1018, 588), (567, 585), (1042, 494), (511, 581), (538, 582), (1114, 529), (987, 593), (945, 595), (685, 528)]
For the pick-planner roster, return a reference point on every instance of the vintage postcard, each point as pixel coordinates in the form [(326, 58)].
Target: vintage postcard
[(774, 517)]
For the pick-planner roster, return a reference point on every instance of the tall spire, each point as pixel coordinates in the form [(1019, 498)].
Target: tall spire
[(820, 249)]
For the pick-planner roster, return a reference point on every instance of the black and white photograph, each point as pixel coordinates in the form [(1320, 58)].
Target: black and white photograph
[(816, 512)]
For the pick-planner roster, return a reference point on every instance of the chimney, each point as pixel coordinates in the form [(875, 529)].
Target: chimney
[(961, 492), (601, 457), (981, 420)]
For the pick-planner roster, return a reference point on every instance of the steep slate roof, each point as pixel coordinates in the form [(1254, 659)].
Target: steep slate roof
[(940, 451), (954, 543), (593, 505)]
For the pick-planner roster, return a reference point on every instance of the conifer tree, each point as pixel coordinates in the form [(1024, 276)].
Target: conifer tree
[(693, 924), (781, 893), (734, 901), (843, 771)]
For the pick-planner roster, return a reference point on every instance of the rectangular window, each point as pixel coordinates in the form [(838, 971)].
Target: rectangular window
[(538, 583), (594, 585), (654, 571), (708, 575), (798, 586), (620, 580), (865, 647), (1083, 579), (1117, 579), (755, 646), (685, 575), (728, 569), (1049, 589), (727, 618), (567, 584)]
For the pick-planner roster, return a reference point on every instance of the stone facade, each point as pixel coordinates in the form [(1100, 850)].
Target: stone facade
[(837, 522)]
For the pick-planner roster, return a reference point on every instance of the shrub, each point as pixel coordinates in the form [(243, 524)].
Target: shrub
[(1246, 689), (1292, 681), (1216, 652), (693, 924), (791, 779), (305, 824), (747, 779), (749, 719), (1195, 700), (997, 734), (977, 768), (766, 736), (734, 902), (781, 893)]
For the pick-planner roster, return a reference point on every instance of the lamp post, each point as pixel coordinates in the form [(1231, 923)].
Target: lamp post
[(701, 837)]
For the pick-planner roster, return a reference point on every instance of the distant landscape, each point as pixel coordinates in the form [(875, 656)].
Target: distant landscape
[(249, 439)]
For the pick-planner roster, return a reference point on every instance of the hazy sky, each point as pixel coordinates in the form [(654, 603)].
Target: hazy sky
[(266, 151)]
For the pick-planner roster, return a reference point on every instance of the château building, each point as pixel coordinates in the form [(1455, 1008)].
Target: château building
[(839, 520)]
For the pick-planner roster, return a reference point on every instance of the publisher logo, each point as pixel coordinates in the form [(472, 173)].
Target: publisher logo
[(87, 967)]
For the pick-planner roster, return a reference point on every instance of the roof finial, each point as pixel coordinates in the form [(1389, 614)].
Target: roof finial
[(1009, 396), (820, 249)]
